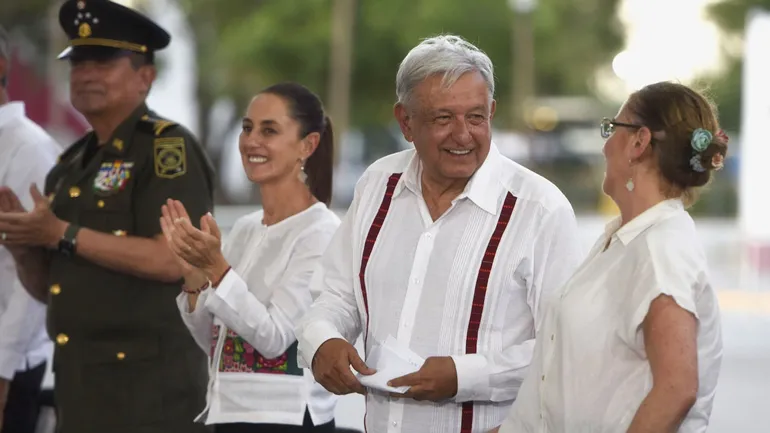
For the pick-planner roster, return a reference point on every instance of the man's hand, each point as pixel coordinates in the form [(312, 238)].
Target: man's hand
[(36, 228), (436, 380), (9, 203), (331, 367)]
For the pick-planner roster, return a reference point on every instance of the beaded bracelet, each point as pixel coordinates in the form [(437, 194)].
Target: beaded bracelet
[(205, 286), (222, 277)]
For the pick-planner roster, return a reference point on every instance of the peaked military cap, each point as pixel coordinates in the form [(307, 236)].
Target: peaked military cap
[(102, 28)]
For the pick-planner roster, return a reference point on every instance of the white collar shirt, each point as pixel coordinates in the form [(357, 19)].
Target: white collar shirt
[(466, 285), (590, 371), (27, 153), (247, 324)]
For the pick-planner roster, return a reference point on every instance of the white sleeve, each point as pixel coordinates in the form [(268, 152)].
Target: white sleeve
[(24, 317), (335, 312), (666, 267), (270, 328), (31, 165), (200, 321), (497, 376)]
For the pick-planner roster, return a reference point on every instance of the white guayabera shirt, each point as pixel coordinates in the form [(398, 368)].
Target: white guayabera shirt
[(27, 153), (467, 285), (590, 371)]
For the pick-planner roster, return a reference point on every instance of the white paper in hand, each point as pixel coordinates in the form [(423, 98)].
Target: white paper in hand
[(391, 360)]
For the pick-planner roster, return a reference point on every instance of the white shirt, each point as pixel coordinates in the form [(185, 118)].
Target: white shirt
[(590, 371), (247, 324), (422, 284), (27, 153)]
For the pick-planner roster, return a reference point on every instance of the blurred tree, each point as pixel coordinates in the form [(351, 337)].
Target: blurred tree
[(29, 17), (725, 88), (245, 45)]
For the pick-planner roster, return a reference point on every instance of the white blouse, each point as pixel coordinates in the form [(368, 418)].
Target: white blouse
[(467, 285), (246, 325), (590, 371)]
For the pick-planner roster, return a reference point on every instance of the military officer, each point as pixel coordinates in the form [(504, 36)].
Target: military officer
[(92, 248)]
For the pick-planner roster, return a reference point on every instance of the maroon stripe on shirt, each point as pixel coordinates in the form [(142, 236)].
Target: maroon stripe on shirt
[(479, 295)]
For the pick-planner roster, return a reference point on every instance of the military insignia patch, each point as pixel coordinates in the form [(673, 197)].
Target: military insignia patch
[(112, 177), (84, 30), (170, 157), (160, 125)]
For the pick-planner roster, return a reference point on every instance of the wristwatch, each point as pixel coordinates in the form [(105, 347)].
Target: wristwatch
[(68, 242)]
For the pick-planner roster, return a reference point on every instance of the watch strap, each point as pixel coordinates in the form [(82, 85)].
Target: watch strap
[(70, 233)]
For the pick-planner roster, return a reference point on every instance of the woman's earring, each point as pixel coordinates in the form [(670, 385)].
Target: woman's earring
[(302, 174), (630, 183)]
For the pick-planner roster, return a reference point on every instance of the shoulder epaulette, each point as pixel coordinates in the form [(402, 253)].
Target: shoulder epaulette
[(155, 125)]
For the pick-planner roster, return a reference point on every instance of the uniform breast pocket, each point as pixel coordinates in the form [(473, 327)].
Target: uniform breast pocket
[(123, 382), (111, 214)]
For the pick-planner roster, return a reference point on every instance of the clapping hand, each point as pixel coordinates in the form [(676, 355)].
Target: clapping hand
[(20, 229), (201, 249)]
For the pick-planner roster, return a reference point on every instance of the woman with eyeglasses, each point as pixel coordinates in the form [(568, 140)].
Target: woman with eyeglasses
[(632, 342)]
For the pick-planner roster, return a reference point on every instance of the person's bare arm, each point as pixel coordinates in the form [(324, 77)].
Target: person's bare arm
[(670, 334)]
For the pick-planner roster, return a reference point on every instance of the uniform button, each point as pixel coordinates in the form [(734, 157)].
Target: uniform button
[(62, 339), (55, 289), (119, 232), (395, 424), (121, 356), (74, 192), (543, 378), (100, 204), (428, 236), (552, 337)]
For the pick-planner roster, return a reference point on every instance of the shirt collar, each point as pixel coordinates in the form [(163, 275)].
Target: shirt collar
[(643, 221), (122, 137), (11, 111), (483, 189)]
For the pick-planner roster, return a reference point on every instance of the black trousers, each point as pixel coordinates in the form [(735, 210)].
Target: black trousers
[(23, 406), (306, 427)]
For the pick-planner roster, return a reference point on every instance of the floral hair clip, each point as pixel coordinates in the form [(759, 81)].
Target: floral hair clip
[(722, 135), (700, 141)]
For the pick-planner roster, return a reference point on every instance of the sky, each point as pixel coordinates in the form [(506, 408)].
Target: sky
[(665, 40)]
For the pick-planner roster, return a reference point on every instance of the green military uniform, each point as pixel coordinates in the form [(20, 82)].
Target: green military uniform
[(124, 361)]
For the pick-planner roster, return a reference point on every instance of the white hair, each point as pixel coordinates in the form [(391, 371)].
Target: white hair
[(449, 55)]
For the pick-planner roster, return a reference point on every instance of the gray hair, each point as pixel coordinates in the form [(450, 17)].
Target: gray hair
[(449, 55)]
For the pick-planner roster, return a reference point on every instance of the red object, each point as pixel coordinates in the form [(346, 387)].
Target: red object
[(27, 84), (480, 294), (221, 277), (371, 238)]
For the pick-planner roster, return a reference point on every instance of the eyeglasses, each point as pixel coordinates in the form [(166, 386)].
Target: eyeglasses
[(607, 127)]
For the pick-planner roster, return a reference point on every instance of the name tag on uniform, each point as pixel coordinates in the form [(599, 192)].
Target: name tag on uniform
[(112, 177)]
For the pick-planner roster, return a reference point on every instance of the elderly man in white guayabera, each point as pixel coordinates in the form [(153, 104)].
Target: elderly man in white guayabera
[(447, 250)]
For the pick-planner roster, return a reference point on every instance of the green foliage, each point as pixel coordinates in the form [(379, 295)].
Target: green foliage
[(247, 45)]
